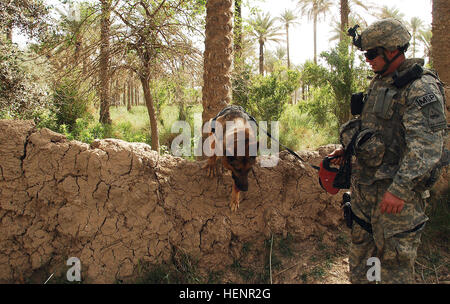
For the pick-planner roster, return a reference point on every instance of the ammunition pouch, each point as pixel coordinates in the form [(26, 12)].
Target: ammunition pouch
[(357, 103), (369, 148)]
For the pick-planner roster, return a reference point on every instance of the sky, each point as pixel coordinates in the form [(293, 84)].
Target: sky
[(301, 35), (301, 39)]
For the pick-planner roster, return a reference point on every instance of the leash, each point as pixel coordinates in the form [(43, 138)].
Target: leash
[(213, 122), (289, 150)]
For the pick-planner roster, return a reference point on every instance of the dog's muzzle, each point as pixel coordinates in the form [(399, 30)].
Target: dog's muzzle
[(241, 185)]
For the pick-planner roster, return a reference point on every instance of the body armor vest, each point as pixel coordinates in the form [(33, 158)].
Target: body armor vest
[(381, 144)]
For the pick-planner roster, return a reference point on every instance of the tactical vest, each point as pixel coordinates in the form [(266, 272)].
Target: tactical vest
[(380, 145)]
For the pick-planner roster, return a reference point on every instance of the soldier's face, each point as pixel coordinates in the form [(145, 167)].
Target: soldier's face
[(376, 63)]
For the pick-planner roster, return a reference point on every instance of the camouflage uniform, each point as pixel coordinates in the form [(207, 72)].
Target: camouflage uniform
[(401, 139)]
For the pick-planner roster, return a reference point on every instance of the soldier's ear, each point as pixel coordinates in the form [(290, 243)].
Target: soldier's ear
[(391, 54)]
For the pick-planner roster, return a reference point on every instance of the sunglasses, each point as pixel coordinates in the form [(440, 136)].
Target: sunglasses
[(372, 53)]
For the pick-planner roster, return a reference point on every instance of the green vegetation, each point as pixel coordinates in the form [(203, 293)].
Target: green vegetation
[(181, 270), (433, 258)]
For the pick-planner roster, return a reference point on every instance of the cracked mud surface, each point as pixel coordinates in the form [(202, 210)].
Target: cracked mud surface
[(115, 205)]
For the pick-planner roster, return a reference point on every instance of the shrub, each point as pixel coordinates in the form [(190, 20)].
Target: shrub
[(69, 104), (265, 97), (20, 96)]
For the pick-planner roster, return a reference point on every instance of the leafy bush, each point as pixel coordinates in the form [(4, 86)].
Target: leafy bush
[(69, 104), (85, 130), (265, 97), (342, 78), (20, 96), (320, 106)]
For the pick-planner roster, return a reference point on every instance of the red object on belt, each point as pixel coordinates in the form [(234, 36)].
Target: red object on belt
[(327, 175)]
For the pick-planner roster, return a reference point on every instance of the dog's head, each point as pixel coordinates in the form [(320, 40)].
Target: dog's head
[(239, 167)]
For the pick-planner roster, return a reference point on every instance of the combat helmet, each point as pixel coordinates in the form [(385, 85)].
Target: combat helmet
[(387, 33)]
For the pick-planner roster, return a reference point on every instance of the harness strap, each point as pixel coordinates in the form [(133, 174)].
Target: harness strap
[(365, 225), (368, 227)]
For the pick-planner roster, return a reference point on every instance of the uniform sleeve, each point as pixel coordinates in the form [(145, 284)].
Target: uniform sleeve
[(425, 123)]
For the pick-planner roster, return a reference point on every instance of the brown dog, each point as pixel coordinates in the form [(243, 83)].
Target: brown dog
[(234, 142)]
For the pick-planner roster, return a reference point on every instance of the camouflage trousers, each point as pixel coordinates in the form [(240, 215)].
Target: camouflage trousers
[(394, 239)]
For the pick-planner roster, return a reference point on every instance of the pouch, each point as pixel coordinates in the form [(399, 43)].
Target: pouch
[(369, 148), (383, 104)]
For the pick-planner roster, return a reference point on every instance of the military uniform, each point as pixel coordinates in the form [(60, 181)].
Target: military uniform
[(401, 139), (398, 139)]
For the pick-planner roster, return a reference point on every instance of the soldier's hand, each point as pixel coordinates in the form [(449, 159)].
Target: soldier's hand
[(391, 203), (338, 160)]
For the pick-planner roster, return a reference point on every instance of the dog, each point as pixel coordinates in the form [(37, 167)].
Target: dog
[(234, 138)]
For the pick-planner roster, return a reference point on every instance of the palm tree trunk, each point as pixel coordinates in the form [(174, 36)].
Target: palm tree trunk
[(439, 45), (261, 58), (104, 62), (237, 32), (315, 38), (345, 11), (287, 46), (151, 111), (218, 57)]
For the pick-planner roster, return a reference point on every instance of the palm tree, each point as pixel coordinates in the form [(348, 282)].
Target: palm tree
[(441, 39), (264, 30), (218, 56), (347, 12), (314, 9), (287, 18), (425, 38), (344, 12), (337, 28), (415, 25), (237, 32), (390, 12)]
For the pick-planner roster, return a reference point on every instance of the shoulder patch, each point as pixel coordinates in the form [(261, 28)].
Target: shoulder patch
[(425, 100)]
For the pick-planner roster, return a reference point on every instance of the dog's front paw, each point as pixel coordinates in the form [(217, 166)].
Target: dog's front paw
[(211, 167), (234, 205)]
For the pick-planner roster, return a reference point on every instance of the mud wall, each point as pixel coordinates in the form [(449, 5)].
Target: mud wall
[(115, 205)]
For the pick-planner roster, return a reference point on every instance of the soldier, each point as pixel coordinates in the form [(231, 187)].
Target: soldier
[(398, 139)]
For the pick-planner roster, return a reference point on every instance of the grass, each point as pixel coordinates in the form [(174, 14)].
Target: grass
[(284, 245), (182, 269), (299, 133), (137, 117), (433, 255)]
